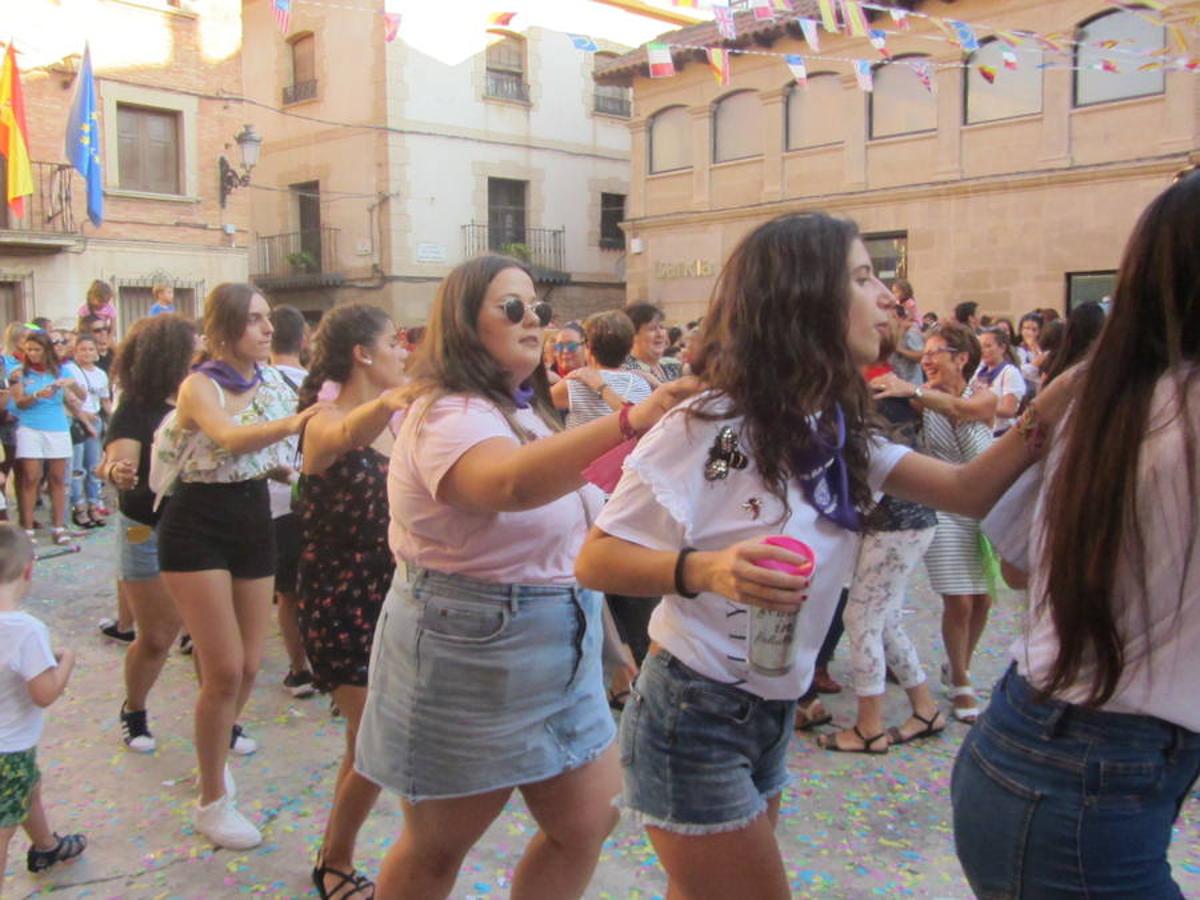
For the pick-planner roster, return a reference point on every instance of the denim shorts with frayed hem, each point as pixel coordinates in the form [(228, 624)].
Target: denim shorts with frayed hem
[(1056, 800), (474, 687), (137, 549), (18, 777), (700, 757)]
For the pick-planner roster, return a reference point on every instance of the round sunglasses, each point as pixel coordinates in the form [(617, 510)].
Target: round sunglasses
[(515, 307)]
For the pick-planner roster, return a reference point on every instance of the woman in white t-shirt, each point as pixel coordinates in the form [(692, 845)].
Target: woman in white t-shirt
[(1091, 743), (485, 671), (780, 444), (1000, 375)]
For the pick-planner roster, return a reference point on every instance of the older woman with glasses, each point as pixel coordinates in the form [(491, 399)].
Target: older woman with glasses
[(486, 673), (569, 349)]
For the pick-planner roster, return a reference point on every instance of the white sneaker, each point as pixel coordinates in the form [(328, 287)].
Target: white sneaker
[(222, 824), (240, 744), (230, 784)]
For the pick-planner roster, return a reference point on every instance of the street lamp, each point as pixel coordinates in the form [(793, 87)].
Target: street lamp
[(249, 144)]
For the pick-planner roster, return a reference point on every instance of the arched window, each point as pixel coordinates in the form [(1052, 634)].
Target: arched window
[(670, 140), (814, 112), (900, 104), (610, 99), (1094, 83), (1014, 92), (737, 127), (506, 68)]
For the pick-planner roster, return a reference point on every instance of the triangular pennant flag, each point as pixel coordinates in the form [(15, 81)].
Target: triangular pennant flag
[(1150, 66), (690, 4), (1010, 59), (965, 35), (721, 64), (1011, 38), (658, 55), (391, 26), (1048, 42), (795, 63), (988, 73), (856, 20), (879, 42), (864, 74), (1177, 34), (1107, 65), (726, 25), (828, 16), (900, 18), (763, 9), (812, 37), (923, 69), (501, 19), (943, 27), (583, 42)]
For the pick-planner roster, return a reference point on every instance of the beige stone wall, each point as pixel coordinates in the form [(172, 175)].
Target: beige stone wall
[(998, 212)]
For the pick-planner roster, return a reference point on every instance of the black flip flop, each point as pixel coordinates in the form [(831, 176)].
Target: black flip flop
[(349, 884), (896, 736), (829, 742)]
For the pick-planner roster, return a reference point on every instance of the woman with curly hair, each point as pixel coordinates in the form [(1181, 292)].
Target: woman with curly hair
[(345, 566), (782, 443), (150, 365)]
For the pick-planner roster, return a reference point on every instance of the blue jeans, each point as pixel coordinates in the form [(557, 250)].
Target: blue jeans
[(85, 458), (1056, 800)]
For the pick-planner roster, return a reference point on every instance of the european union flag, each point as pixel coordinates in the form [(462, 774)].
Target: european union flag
[(583, 42), (83, 139)]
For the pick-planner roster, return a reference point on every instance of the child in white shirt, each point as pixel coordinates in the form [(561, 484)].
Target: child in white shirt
[(31, 678)]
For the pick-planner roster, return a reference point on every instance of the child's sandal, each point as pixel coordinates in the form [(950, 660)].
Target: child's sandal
[(67, 847)]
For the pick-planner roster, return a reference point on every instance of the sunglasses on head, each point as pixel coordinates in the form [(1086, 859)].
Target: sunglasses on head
[(567, 347), (515, 307)]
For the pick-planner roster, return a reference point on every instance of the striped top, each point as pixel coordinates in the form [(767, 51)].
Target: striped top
[(585, 405)]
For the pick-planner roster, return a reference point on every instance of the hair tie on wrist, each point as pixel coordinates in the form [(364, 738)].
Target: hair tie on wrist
[(680, 587)]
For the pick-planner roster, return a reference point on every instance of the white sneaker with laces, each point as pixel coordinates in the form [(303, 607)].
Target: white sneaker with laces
[(222, 824)]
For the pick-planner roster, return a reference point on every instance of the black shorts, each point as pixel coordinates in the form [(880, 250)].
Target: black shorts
[(287, 552), (218, 526)]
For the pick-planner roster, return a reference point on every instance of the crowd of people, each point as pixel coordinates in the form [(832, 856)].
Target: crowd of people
[(528, 556)]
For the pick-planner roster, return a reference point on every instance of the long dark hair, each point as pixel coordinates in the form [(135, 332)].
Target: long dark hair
[(773, 346), (154, 358), (341, 330), (49, 357), (451, 359), (1084, 325), (1092, 516)]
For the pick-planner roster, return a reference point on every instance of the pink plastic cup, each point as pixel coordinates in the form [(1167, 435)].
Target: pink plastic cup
[(798, 547)]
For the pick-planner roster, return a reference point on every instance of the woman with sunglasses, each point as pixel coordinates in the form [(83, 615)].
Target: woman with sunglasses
[(781, 443), (1071, 783), (485, 674), (569, 349), (43, 431)]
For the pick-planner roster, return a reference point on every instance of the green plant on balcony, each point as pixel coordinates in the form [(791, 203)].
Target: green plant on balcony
[(302, 262), (519, 251)]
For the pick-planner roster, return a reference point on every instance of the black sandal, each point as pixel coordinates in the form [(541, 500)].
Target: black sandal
[(67, 847), (349, 884), (617, 700), (896, 736), (829, 742)]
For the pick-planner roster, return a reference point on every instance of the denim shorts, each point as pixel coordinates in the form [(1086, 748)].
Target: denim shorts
[(700, 757), (137, 547), (1056, 800), (474, 687)]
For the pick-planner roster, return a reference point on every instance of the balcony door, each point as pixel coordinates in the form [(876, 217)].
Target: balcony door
[(506, 213), (308, 207)]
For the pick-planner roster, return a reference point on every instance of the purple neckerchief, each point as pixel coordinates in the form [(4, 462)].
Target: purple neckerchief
[(228, 377), (987, 376), (823, 476), (523, 395)]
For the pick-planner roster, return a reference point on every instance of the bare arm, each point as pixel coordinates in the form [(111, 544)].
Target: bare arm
[(500, 475), (333, 432), (611, 564), (119, 464), (49, 685), (979, 408), (74, 387), (1007, 406), (559, 395), (199, 405)]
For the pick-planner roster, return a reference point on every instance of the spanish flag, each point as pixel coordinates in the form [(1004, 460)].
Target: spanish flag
[(14, 135)]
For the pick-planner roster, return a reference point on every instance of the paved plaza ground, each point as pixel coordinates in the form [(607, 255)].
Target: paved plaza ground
[(852, 826)]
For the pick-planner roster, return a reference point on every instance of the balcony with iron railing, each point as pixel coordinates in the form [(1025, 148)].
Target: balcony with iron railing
[(543, 248), (48, 223), (297, 259), (505, 85), (301, 90)]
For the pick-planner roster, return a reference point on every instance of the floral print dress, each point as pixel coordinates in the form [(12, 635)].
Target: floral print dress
[(346, 567)]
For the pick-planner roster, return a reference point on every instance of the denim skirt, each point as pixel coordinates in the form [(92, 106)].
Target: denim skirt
[(1057, 800), (474, 687)]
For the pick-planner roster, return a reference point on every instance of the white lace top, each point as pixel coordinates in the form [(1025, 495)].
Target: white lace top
[(209, 463)]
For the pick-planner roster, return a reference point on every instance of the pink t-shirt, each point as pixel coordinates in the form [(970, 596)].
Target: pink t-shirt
[(537, 546), (107, 311)]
